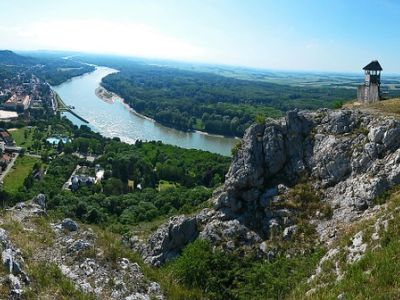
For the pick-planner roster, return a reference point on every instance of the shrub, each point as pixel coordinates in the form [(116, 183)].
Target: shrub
[(338, 104), (260, 119), (236, 148), (212, 272), (228, 276)]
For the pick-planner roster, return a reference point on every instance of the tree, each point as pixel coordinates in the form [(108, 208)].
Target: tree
[(60, 146), (94, 216)]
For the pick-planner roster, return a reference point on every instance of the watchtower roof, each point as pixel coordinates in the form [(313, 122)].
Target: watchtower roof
[(373, 66)]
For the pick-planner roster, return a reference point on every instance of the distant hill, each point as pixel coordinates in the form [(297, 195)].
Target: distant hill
[(54, 70), (8, 57)]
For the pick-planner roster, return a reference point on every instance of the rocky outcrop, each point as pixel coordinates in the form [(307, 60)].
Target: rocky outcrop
[(167, 241), (13, 263), (40, 200), (349, 157), (77, 254), (91, 265), (33, 208)]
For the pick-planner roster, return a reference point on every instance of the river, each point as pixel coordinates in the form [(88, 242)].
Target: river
[(118, 120)]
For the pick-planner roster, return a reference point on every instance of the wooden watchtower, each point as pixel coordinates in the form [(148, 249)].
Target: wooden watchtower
[(370, 91)]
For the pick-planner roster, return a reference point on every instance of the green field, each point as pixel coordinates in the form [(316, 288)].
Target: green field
[(23, 136), (15, 179)]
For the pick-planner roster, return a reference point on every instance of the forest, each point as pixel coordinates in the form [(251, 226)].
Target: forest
[(142, 182)]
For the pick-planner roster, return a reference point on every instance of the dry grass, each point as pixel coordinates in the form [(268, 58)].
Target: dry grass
[(31, 236), (386, 107), (391, 106)]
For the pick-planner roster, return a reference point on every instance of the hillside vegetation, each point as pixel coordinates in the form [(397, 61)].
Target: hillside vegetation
[(376, 274)]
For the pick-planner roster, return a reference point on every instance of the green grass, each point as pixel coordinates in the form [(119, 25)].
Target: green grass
[(23, 136), (15, 178)]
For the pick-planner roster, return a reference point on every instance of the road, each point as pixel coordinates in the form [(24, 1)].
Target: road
[(9, 166)]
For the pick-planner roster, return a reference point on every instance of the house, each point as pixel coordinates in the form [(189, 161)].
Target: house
[(5, 159), (81, 180), (6, 137)]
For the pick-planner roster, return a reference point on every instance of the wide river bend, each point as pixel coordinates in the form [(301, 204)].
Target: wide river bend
[(118, 120)]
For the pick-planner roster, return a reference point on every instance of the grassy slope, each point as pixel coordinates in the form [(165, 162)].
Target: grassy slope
[(386, 107), (21, 138), (47, 279), (15, 179), (376, 275), (391, 106)]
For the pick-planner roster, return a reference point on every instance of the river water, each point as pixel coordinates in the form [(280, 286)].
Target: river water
[(118, 120)]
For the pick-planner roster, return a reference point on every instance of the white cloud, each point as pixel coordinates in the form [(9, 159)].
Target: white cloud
[(98, 36)]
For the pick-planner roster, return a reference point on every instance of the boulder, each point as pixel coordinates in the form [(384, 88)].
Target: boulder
[(274, 149), (167, 242), (391, 138), (11, 262), (79, 245), (220, 232), (40, 200), (69, 225), (376, 134), (15, 286)]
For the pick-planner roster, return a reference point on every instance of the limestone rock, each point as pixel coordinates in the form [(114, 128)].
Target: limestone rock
[(357, 249), (40, 200), (222, 232), (376, 134), (11, 261), (169, 240), (69, 224), (79, 245)]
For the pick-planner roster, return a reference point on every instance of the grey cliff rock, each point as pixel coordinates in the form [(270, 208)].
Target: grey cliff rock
[(169, 240), (349, 156)]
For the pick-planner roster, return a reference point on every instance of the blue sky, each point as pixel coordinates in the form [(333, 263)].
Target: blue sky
[(323, 35)]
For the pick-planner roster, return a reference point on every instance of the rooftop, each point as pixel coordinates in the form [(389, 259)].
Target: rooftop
[(373, 66), (4, 114)]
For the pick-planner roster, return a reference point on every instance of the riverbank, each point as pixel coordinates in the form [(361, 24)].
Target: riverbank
[(120, 120), (110, 97)]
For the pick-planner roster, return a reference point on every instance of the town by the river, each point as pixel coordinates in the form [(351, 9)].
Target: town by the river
[(118, 120)]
